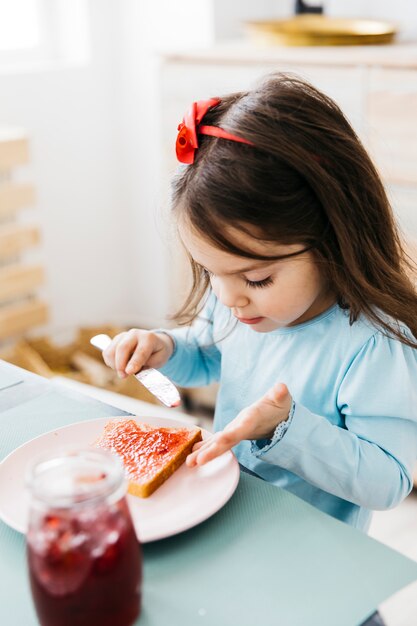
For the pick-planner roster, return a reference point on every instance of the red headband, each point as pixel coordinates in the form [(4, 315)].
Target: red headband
[(187, 142)]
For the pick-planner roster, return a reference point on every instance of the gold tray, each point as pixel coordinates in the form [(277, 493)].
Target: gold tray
[(320, 30)]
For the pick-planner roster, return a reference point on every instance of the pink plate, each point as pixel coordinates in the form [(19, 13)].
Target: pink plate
[(188, 497)]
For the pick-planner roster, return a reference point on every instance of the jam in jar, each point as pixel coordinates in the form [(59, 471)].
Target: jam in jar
[(85, 561)]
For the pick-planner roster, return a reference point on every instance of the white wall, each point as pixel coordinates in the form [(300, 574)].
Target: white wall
[(229, 16), (71, 114), (148, 27), (402, 12)]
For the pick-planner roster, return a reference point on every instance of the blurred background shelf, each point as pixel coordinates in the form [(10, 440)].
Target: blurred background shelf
[(22, 307), (320, 30)]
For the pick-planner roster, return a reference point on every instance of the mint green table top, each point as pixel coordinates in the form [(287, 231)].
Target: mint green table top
[(267, 556)]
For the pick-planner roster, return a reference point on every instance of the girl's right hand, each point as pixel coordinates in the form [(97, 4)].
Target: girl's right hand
[(130, 351)]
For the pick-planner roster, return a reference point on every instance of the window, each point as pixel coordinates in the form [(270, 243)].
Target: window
[(35, 32), (19, 24)]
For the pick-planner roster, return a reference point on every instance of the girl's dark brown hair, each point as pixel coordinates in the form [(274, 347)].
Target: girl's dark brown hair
[(309, 181)]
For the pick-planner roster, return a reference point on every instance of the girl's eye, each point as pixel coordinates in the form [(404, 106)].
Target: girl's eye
[(249, 283), (259, 283)]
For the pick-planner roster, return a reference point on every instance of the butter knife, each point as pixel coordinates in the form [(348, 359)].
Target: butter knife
[(158, 384)]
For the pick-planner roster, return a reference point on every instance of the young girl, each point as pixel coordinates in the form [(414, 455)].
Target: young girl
[(309, 319)]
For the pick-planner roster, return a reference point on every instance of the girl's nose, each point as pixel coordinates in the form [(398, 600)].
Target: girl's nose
[(231, 297)]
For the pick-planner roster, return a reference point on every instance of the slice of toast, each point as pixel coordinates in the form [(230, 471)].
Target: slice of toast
[(150, 455)]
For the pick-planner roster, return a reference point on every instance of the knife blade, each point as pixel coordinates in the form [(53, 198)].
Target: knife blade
[(158, 384)]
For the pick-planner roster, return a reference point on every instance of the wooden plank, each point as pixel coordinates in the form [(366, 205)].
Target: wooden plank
[(22, 355), (20, 280), (15, 196), (14, 148), (15, 319), (98, 373), (15, 238)]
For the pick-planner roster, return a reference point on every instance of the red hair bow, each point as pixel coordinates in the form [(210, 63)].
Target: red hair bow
[(187, 142)]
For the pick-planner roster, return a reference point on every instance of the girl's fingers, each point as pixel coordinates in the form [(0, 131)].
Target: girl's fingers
[(254, 422), (131, 343), (205, 451), (140, 356), (199, 445), (124, 350), (130, 351), (211, 452), (109, 353), (191, 458)]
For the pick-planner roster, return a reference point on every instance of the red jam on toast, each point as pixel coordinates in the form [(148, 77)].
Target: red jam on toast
[(150, 455)]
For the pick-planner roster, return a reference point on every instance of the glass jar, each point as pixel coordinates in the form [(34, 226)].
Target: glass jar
[(85, 561)]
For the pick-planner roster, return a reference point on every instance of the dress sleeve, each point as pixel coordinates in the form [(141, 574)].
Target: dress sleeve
[(196, 358), (370, 460)]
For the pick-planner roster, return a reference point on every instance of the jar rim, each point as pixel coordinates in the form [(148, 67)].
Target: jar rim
[(73, 476)]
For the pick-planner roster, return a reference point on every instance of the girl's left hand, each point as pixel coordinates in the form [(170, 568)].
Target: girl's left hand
[(257, 421)]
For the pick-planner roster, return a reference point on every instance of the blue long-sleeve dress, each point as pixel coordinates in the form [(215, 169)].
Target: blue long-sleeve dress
[(351, 443)]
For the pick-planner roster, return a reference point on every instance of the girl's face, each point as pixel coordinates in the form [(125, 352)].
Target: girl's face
[(263, 294)]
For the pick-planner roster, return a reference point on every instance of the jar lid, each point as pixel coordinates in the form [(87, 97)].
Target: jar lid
[(72, 477)]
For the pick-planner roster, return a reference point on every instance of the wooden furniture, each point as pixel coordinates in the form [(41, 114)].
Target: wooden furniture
[(21, 308)]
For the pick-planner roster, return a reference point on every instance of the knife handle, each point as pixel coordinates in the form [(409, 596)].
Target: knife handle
[(100, 341)]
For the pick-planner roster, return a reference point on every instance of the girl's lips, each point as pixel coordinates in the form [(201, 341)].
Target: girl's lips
[(252, 320)]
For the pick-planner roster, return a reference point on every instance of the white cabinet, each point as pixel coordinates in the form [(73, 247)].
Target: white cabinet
[(404, 202), (392, 118)]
